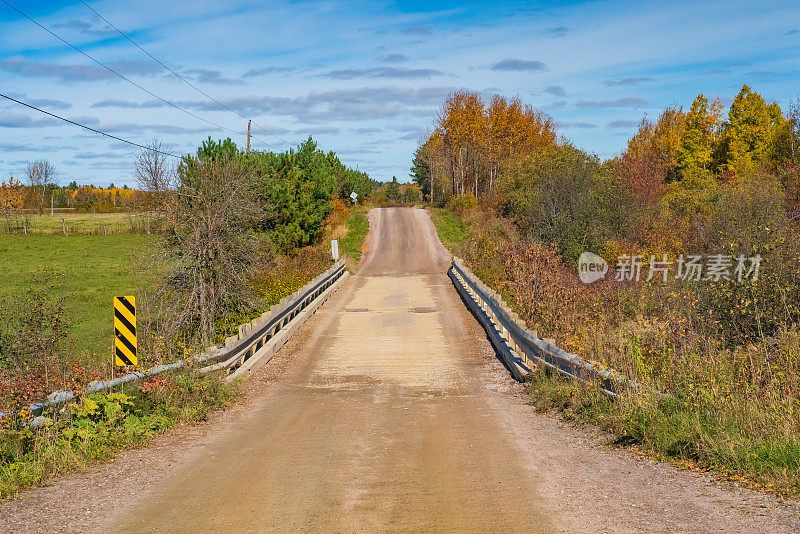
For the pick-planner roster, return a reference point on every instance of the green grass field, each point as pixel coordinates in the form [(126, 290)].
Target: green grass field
[(75, 223), (95, 269)]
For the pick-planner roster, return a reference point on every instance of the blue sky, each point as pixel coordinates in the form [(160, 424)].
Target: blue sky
[(366, 78)]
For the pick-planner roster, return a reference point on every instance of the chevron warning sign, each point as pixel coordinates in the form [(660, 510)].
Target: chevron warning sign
[(125, 330)]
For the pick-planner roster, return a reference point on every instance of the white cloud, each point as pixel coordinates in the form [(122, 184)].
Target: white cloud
[(334, 66)]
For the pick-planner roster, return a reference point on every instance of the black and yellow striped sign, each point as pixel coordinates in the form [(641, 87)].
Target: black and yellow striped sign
[(125, 331)]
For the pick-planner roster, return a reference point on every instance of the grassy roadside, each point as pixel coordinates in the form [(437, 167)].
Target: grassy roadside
[(350, 246), (730, 441), (712, 420), (452, 231), (92, 431)]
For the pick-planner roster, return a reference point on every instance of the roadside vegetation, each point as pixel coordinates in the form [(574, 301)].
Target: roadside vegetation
[(452, 230), (233, 219), (92, 430), (394, 194), (724, 345), (230, 235), (204, 245), (357, 228)]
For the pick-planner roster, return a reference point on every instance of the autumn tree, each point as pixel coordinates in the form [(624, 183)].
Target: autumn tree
[(471, 141), (640, 184), (85, 197), (41, 174), (434, 154), (699, 137), (12, 198), (784, 150), (515, 130), (663, 139), (462, 125), (663, 178), (750, 129)]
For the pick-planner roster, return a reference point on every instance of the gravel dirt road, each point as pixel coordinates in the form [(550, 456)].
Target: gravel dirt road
[(388, 411)]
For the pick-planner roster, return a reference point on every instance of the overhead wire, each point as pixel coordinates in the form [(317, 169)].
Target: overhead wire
[(89, 127), (117, 73), (182, 78)]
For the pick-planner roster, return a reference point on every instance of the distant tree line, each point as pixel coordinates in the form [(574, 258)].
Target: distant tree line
[(38, 191), (393, 193)]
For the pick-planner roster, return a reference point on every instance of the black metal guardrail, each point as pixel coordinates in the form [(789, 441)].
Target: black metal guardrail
[(237, 350), (518, 347)]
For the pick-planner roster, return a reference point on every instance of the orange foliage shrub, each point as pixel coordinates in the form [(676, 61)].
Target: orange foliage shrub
[(555, 301), (19, 389), (338, 215)]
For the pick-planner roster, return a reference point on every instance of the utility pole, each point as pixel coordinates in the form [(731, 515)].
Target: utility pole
[(248, 136), (51, 205)]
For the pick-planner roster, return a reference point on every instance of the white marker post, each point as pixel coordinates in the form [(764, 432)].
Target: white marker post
[(335, 249)]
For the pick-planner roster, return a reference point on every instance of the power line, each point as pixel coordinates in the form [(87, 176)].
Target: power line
[(88, 127), (184, 80), (117, 73)]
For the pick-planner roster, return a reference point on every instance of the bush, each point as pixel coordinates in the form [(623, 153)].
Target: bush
[(750, 312), (411, 194), (34, 328), (460, 204), (558, 195), (554, 301)]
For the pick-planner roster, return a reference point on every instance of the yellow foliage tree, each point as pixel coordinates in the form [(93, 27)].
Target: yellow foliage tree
[(12, 197), (472, 142)]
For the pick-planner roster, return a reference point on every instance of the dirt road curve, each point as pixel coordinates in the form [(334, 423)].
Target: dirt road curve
[(388, 412)]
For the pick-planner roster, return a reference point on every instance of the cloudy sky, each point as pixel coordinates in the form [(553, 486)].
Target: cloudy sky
[(365, 78)]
